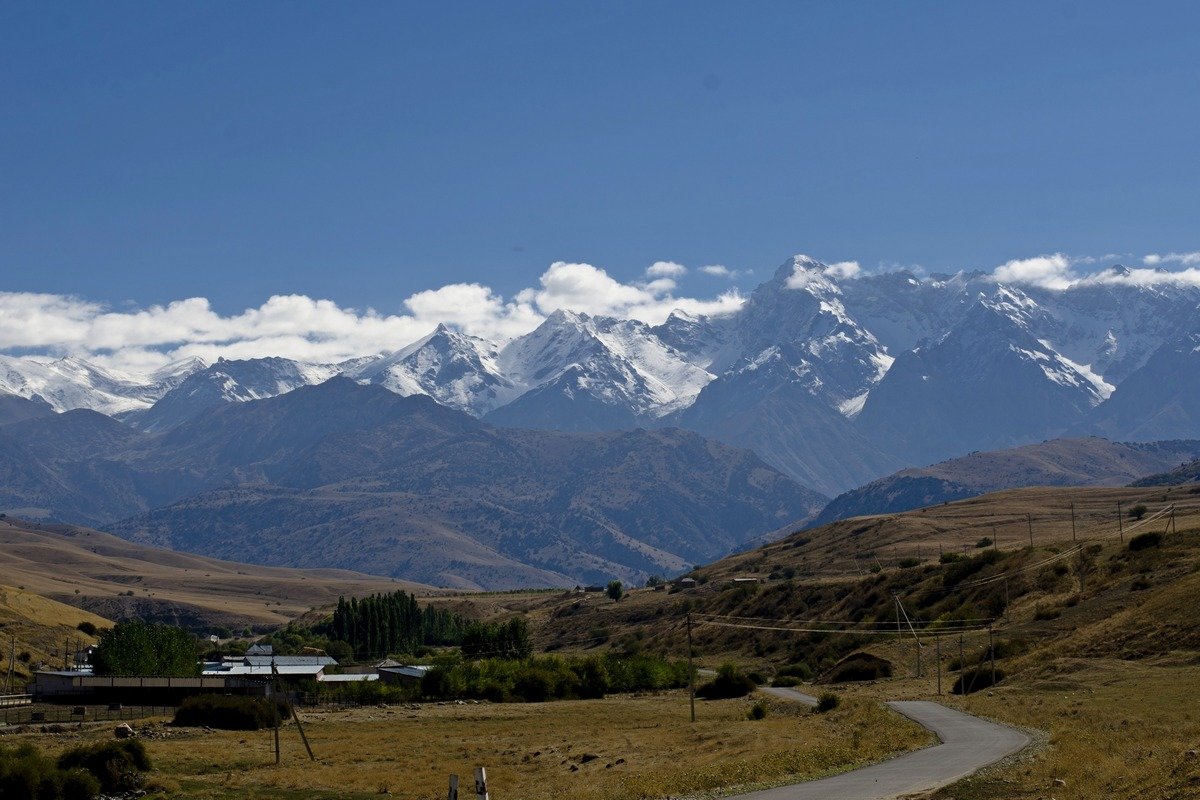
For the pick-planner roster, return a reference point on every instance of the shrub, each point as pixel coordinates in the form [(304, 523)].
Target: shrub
[(984, 542), (949, 558), (757, 711), (730, 682), (229, 712), (828, 701), (960, 570), (615, 590), (86, 627), (785, 680), (1042, 612), (909, 562), (799, 670), (1138, 511), (1145, 541), (118, 766), (859, 667), (25, 772), (973, 680)]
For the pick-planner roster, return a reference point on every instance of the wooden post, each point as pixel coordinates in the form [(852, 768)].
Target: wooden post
[(12, 662), (962, 662), (274, 714), (291, 710), (691, 671), (1120, 522), (481, 790), (992, 653), (1072, 520), (453, 788), (1029, 521), (938, 642)]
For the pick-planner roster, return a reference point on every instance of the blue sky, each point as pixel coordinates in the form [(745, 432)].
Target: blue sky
[(365, 152)]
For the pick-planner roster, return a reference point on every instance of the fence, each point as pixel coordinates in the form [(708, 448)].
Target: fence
[(48, 714)]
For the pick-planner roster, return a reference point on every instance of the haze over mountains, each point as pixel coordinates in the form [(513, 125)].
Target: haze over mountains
[(347, 475), (833, 380), (594, 447)]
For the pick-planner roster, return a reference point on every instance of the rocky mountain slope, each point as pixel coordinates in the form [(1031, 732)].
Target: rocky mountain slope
[(354, 476), (1059, 462)]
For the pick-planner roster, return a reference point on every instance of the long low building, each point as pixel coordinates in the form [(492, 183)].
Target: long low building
[(64, 686)]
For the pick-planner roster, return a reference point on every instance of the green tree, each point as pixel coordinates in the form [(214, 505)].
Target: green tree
[(134, 647), (615, 590)]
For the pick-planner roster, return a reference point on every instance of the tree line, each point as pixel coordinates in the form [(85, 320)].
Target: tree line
[(393, 623)]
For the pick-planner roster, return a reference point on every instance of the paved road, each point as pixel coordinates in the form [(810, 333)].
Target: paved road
[(968, 744)]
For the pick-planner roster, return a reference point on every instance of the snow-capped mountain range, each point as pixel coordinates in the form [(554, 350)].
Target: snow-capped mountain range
[(833, 380)]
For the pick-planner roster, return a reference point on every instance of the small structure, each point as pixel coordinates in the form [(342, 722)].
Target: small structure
[(686, 583), (406, 674)]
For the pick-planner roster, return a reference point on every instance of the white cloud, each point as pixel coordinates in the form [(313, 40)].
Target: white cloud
[(665, 269), (843, 270), (307, 329), (1184, 259), (721, 271), (1059, 271), (1048, 271)]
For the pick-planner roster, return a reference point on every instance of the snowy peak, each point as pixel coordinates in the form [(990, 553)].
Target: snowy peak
[(230, 381), (616, 362), (457, 370)]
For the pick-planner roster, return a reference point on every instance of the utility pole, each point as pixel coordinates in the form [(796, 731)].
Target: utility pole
[(66, 644), (12, 658), (274, 710), (691, 672), (1006, 600), (1072, 520), (938, 642), (1120, 522), (962, 661), (995, 539), (1029, 521), (992, 652)]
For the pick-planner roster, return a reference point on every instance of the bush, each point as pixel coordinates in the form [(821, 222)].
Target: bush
[(785, 681), (1138, 511), (859, 667), (950, 558), (984, 542), (757, 711), (909, 562), (87, 628), (25, 772), (229, 712), (1042, 613), (973, 680), (828, 701), (730, 682), (615, 590), (1145, 541), (798, 670), (118, 766)]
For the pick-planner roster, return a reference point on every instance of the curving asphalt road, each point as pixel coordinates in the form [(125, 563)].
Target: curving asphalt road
[(968, 744)]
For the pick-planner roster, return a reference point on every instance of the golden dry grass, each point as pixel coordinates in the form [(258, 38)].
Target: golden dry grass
[(40, 626), (66, 562), (646, 748)]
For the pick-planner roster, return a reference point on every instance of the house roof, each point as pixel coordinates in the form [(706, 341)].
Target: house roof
[(417, 671), (259, 661), (348, 678), (265, 670)]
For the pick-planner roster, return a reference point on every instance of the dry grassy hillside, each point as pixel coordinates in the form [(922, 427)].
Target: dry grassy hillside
[(35, 630), (115, 579)]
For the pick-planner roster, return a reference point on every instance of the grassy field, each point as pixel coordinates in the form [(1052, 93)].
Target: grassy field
[(619, 748), (108, 575)]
